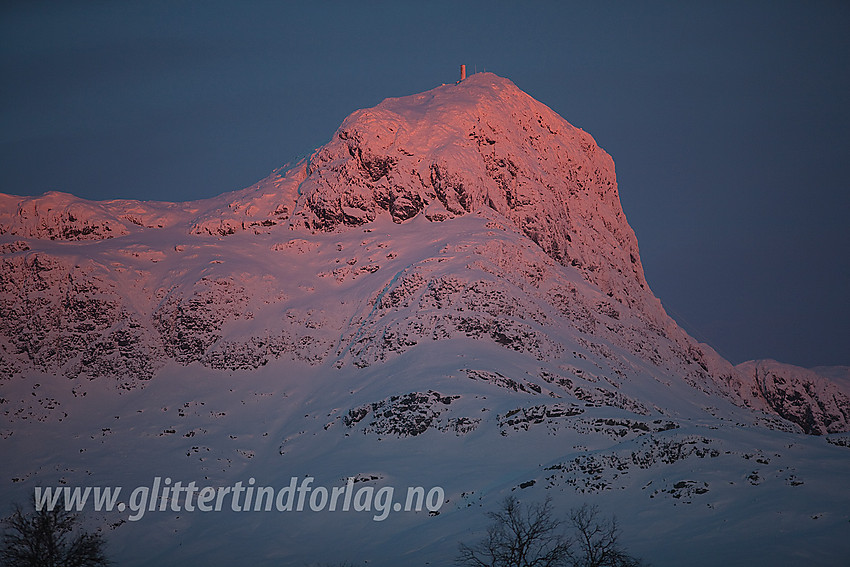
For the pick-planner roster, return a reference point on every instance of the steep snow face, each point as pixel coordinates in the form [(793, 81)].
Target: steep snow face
[(482, 143)]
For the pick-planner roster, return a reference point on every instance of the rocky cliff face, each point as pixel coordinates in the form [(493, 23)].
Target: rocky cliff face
[(447, 294), (480, 144), (802, 396), (470, 211)]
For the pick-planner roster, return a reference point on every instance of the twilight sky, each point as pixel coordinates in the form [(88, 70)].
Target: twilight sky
[(729, 122)]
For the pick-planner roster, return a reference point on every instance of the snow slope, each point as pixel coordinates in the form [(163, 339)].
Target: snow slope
[(446, 294)]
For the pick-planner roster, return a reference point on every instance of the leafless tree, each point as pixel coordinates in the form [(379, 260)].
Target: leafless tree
[(533, 537), (520, 537), (45, 538), (596, 540)]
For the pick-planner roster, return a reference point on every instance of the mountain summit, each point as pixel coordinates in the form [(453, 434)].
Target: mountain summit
[(481, 147), (451, 274), (483, 143)]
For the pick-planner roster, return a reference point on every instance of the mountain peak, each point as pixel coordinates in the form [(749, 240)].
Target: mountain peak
[(480, 144), (467, 95), (481, 153), (445, 294)]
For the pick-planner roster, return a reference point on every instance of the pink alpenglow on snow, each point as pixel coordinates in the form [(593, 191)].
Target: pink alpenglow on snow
[(446, 294)]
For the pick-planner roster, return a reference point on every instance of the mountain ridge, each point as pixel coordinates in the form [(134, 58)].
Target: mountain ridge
[(454, 150), (411, 302)]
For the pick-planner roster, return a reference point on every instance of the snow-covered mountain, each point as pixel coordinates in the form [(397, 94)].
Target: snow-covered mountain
[(446, 294), (809, 398)]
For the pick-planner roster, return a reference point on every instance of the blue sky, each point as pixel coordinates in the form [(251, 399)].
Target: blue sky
[(729, 122)]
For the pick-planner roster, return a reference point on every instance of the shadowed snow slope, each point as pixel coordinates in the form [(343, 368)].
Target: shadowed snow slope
[(445, 294)]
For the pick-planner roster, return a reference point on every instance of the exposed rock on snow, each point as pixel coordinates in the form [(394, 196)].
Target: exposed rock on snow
[(484, 143), (506, 228), (802, 396), (446, 294)]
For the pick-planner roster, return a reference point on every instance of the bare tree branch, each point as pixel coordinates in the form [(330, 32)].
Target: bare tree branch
[(531, 536), (46, 538)]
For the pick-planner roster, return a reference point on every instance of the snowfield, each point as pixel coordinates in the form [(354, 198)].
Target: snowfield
[(447, 294)]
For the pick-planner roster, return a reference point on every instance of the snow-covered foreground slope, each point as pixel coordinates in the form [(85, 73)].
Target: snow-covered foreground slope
[(447, 295)]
